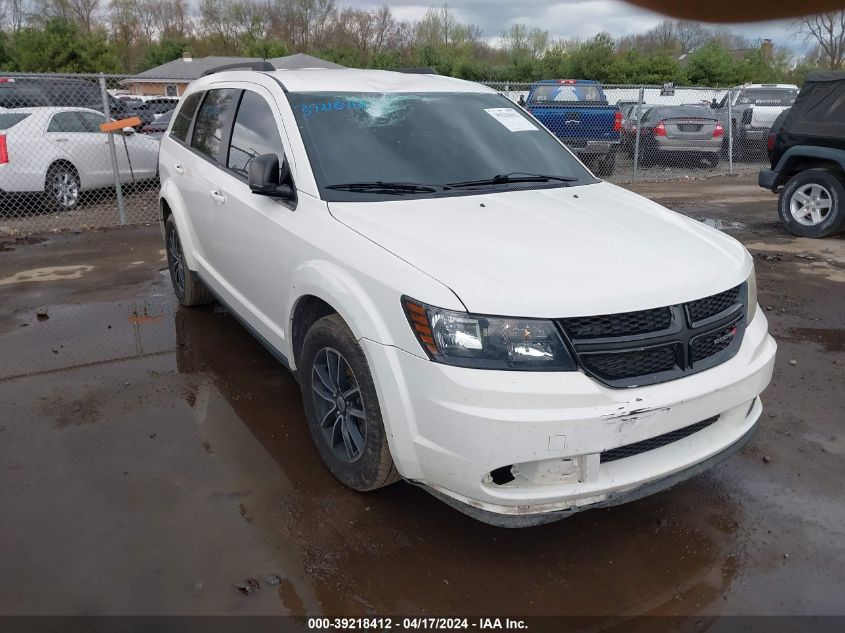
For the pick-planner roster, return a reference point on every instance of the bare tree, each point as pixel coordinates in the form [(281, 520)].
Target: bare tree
[(690, 35), (827, 31)]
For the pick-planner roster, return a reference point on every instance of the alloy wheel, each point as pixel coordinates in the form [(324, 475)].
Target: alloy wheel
[(177, 262), (810, 204), (66, 188), (339, 407)]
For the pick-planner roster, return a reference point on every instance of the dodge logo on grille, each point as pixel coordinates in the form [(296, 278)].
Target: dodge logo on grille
[(725, 337)]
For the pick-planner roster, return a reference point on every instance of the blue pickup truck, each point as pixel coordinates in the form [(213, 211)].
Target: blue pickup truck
[(577, 112)]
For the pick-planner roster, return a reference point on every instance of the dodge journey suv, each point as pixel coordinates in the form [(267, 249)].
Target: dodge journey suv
[(464, 304)]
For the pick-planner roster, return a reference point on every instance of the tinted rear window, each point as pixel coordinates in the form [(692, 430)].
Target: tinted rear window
[(8, 120), (567, 93), (183, 119), (767, 96)]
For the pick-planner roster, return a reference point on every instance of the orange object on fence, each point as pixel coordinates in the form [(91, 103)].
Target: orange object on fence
[(116, 126)]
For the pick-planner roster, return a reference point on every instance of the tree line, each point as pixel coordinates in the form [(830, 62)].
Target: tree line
[(127, 36)]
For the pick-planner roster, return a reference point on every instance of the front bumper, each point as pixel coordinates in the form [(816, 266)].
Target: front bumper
[(450, 427)]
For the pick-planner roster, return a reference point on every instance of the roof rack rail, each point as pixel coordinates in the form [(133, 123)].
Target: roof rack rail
[(258, 65), (417, 70)]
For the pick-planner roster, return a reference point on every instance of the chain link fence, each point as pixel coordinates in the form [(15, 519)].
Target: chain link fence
[(651, 133), (63, 166), (60, 171)]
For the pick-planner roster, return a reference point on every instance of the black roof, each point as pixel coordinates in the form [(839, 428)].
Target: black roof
[(826, 75)]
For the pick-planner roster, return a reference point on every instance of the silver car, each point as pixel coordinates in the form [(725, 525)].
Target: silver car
[(692, 134)]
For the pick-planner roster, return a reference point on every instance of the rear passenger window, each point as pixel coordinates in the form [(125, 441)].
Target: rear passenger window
[(212, 118), (182, 123), (255, 133), (67, 122)]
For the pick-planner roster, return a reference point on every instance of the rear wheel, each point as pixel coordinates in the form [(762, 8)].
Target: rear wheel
[(189, 288), (711, 160), (62, 187), (810, 204), (605, 166), (342, 407)]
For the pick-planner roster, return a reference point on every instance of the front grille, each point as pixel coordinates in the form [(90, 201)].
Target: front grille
[(635, 363), (615, 324), (711, 306), (712, 343), (630, 349), (655, 442)]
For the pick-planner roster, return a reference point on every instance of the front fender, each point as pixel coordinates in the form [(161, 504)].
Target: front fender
[(169, 194), (372, 309)]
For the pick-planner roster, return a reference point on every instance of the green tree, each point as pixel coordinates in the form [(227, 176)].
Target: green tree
[(164, 51), (712, 65), (61, 47), (265, 48), (594, 59)]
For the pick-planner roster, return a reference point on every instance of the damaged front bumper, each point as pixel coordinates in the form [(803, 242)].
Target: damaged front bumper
[(511, 520), (557, 437)]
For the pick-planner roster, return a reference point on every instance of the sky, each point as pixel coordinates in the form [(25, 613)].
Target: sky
[(568, 18)]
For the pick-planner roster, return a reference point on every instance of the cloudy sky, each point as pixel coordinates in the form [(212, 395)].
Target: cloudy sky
[(567, 18)]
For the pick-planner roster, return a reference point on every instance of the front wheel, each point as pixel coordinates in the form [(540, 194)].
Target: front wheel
[(189, 288), (810, 204), (342, 407)]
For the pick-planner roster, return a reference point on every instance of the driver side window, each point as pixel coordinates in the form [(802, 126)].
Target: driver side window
[(255, 133)]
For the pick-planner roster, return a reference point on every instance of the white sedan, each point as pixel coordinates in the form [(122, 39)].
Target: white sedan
[(62, 152)]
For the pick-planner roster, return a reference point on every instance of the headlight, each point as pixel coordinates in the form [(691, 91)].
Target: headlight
[(487, 342), (752, 295)]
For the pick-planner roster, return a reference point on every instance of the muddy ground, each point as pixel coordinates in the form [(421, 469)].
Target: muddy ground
[(152, 456)]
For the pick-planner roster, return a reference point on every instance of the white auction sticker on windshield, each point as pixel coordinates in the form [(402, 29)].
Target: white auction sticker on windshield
[(511, 119)]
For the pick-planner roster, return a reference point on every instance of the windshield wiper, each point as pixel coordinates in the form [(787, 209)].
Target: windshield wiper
[(384, 187), (514, 176)]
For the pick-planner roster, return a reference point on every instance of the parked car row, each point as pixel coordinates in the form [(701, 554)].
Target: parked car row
[(33, 92), (699, 134)]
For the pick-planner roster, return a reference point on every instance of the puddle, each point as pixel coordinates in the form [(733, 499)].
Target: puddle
[(722, 225), (830, 339), (52, 273)]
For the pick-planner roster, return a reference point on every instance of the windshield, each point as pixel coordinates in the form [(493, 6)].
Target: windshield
[(566, 93), (767, 97), (438, 140)]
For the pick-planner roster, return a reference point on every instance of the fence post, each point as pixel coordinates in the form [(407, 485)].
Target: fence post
[(113, 151), (730, 131), (637, 134)]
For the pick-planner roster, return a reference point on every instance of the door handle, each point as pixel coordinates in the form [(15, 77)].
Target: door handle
[(61, 140), (218, 197), (178, 168)]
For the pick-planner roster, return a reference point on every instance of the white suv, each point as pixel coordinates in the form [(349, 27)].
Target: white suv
[(464, 304)]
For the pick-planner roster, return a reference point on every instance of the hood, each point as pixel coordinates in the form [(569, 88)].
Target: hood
[(764, 116), (576, 251)]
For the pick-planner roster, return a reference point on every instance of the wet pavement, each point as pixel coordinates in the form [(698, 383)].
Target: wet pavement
[(151, 457)]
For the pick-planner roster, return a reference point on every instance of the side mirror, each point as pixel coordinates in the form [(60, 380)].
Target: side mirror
[(265, 177), (128, 130)]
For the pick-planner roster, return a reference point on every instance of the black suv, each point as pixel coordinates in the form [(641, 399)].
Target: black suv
[(807, 152)]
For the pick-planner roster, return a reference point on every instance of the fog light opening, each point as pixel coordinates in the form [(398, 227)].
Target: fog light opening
[(502, 476)]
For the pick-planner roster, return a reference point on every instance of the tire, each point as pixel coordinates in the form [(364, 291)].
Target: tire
[(604, 167), (711, 160), (811, 204), (349, 433), (189, 288), (62, 187)]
